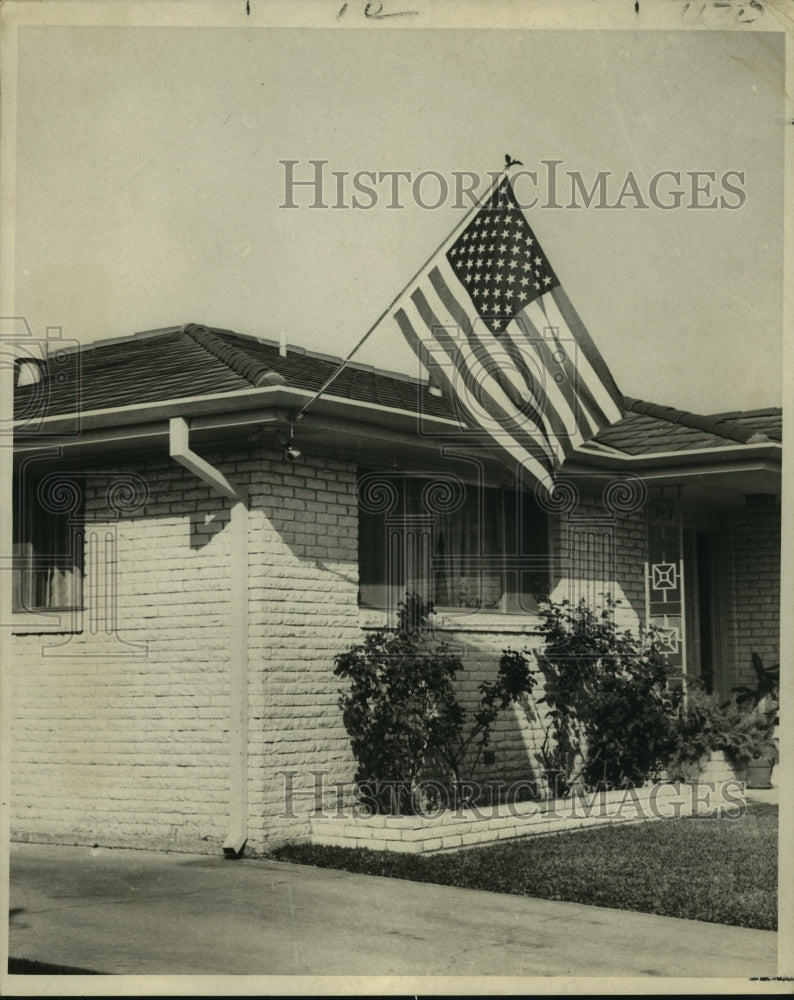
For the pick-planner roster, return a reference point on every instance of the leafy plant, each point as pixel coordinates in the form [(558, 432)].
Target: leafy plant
[(766, 693), (706, 725), (400, 690), (402, 712), (609, 714)]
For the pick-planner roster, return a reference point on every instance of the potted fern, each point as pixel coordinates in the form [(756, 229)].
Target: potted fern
[(708, 729), (762, 704)]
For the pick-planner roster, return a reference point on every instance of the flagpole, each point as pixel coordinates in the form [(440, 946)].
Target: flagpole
[(477, 205)]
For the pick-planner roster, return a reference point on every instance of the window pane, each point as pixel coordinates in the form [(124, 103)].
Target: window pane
[(47, 550), (527, 552), (467, 550), (488, 552)]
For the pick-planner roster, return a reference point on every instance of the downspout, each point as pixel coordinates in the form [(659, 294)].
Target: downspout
[(179, 442)]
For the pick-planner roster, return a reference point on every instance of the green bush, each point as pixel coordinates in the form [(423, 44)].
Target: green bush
[(609, 713), (402, 713), (401, 690)]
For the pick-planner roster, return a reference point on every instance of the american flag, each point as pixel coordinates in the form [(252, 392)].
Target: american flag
[(496, 332)]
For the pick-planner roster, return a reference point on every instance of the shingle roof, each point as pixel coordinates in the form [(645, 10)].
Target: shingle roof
[(648, 428), (197, 361)]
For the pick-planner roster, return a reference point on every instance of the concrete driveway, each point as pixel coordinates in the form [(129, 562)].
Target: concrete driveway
[(142, 912)]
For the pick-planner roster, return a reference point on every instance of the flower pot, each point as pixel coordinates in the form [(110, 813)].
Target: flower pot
[(759, 773), (717, 767)]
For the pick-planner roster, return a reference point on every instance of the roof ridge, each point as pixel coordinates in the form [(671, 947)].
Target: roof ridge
[(762, 411), (717, 424), (241, 364), (335, 359)]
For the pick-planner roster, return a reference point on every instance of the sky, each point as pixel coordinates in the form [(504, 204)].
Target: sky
[(150, 185)]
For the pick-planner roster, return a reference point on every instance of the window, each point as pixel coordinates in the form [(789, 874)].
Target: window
[(48, 543), (460, 545)]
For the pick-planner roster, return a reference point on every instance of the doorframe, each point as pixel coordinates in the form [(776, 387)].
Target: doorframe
[(692, 530)]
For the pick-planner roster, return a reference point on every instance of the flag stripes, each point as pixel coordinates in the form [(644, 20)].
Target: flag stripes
[(496, 331)]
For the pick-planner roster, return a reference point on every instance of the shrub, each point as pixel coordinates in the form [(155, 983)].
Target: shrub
[(609, 712), (400, 691), (402, 713)]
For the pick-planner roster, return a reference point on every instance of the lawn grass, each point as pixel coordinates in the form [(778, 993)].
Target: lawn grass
[(720, 870)]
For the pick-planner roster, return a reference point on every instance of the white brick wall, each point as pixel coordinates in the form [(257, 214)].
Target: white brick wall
[(122, 737), (120, 732), (303, 610), (600, 550)]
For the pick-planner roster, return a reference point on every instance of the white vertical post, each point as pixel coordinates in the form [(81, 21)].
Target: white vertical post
[(238, 679)]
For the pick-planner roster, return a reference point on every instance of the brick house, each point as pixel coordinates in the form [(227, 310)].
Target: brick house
[(181, 586)]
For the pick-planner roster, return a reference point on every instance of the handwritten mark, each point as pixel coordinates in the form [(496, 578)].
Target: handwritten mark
[(374, 11), (744, 11)]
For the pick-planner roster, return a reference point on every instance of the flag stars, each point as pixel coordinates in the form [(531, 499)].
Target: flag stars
[(499, 262)]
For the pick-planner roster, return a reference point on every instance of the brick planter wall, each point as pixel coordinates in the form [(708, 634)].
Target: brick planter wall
[(454, 830)]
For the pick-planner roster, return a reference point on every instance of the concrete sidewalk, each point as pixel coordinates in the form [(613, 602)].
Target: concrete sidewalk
[(141, 912)]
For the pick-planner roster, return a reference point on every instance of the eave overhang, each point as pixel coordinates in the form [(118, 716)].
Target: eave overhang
[(365, 432)]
